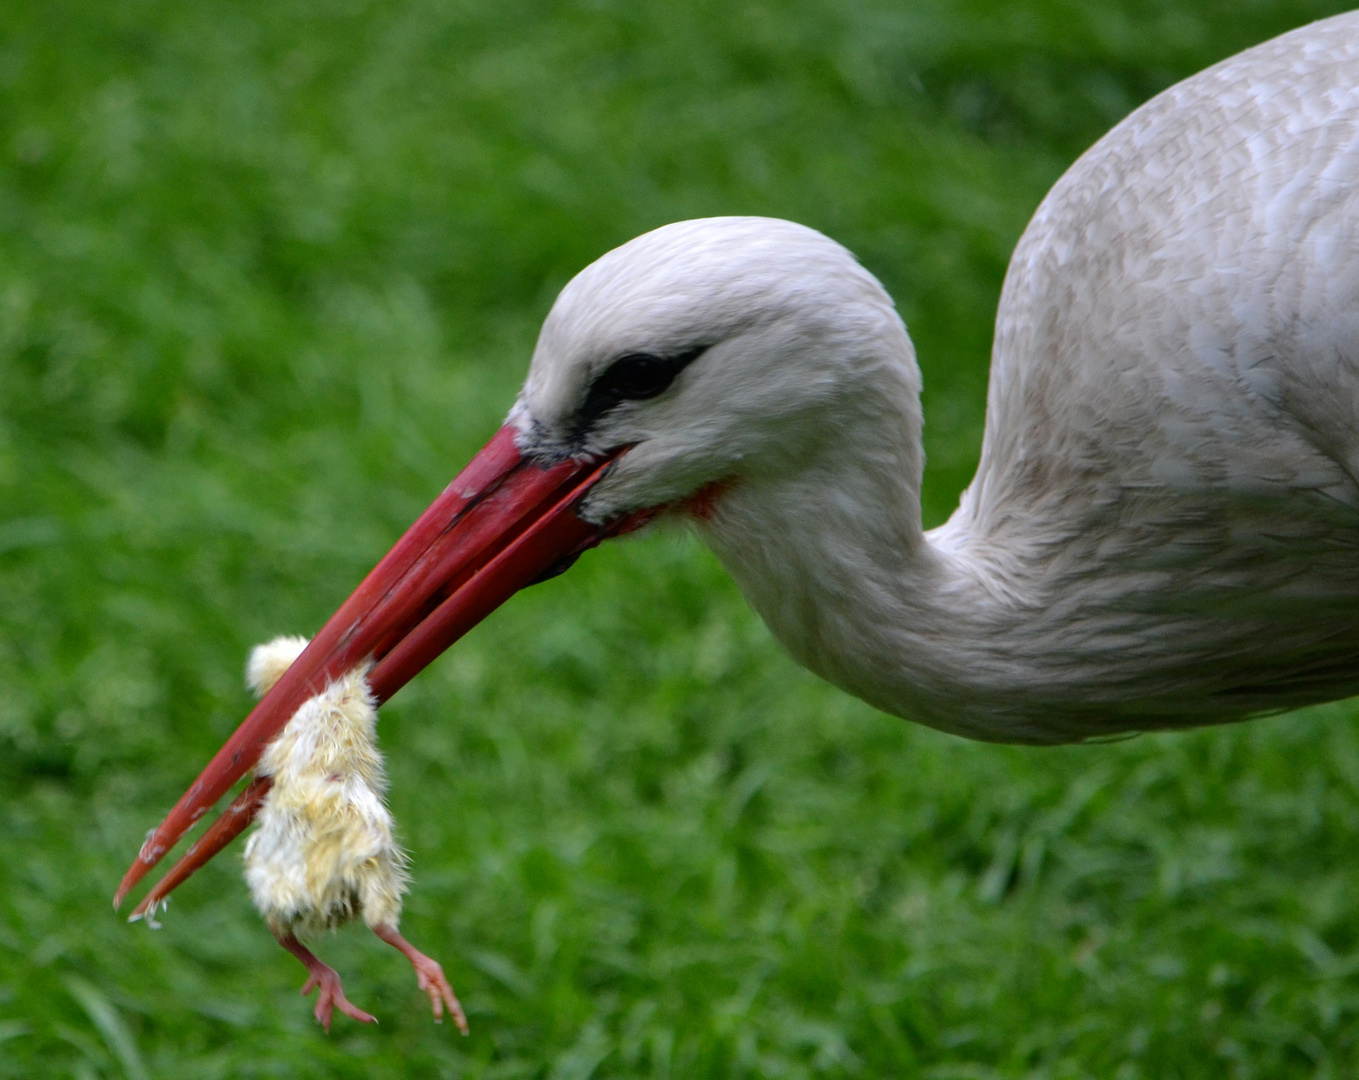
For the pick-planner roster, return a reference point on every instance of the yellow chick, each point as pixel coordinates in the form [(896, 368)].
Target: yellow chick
[(323, 851)]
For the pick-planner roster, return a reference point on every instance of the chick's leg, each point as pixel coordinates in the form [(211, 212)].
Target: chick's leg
[(430, 975), (327, 979)]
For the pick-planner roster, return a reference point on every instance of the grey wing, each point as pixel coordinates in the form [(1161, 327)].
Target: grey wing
[(1173, 416), (1184, 307)]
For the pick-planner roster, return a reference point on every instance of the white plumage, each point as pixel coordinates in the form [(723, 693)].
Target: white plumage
[(1164, 526)]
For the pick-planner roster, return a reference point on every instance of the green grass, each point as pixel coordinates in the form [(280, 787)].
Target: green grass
[(270, 272)]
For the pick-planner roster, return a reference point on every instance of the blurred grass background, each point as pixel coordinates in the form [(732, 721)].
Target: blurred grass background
[(270, 272)]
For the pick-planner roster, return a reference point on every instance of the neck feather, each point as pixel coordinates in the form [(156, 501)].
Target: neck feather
[(835, 561), (833, 557)]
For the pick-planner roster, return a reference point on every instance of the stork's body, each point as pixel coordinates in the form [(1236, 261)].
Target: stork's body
[(1164, 526)]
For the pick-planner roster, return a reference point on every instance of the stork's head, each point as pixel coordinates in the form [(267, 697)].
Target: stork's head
[(718, 354), (721, 349)]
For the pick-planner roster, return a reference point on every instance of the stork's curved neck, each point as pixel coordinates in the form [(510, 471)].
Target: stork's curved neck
[(834, 558)]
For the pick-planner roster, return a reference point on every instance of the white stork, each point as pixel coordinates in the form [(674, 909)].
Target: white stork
[(1164, 527)]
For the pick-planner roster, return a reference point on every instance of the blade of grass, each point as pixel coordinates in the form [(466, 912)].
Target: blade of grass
[(105, 1017)]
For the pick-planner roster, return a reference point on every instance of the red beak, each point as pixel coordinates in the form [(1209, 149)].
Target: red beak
[(501, 525)]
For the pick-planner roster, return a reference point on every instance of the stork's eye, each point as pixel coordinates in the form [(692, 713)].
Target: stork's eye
[(634, 377)]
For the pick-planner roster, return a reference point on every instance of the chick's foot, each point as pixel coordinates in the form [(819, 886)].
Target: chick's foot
[(326, 979), (430, 975)]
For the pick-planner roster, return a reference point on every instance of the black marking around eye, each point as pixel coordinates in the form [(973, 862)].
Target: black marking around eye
[(634, 377)]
